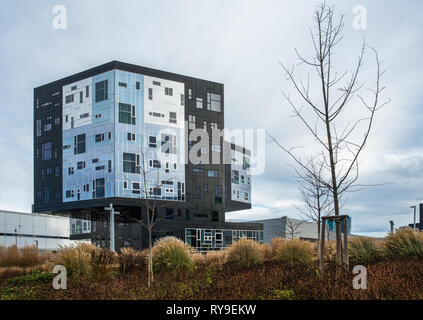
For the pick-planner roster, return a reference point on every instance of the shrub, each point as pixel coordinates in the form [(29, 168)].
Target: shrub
[(76, 259), (170, 253), (266, 251), (363, 250), (245, 253), (295, 252), (404, 243), (29, 256), (215, 259), (129, 259), (10, 257), (102, 261)]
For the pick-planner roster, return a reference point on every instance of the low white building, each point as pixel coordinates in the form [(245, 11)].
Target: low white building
[(47, 232), (291, 229)]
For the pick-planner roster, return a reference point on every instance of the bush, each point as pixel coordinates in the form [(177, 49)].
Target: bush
[(363, 250), (266, 251), (76, 259), (102, 261), (170, 253), (215, 259), (245, 253), (294, 252), (130, 260), (29, 256), (404, 243), (10, 257)]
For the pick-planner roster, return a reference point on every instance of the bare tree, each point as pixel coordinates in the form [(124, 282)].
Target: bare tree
[(151, 193), (340, 147), (315, 195), (292, 228)]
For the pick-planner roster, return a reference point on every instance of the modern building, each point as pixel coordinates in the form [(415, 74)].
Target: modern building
[(47, 232), (123, 134)]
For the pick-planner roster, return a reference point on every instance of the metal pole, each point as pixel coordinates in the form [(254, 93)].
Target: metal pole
[(322, 244), (346, 260), (414, 226), (112, 225), (392, 226)]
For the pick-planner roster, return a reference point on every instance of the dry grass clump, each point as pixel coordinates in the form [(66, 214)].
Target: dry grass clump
[(245, 253), (26, 257), (170, 253), (294, 252), (215, 259), (130, 260), (84, 260), (404, 243), (266, 251), (363, 250)]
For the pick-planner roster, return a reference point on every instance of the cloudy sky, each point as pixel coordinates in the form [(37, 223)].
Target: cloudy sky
[(240, 44)]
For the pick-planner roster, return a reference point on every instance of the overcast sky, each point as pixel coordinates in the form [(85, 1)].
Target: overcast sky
[(237, 43)]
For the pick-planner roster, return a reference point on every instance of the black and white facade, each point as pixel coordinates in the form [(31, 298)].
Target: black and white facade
[(98, 133)]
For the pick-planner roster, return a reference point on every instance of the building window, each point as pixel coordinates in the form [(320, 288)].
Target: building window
[(152, 142), (191, 122), (101, 91), (199, 103), (198, 192), (137, 85), (214, 126), (80, 145), (168, 91), (86, 187), (172, 117), (70, 194), (235, 176), (70, 171), (81, 97), (213, 173), (131, 163), (150, 93), (131, 136), (80, 165), (218, 194), (154, 164), (109, 165), (123, 84), (87, 91), (57, 121), (214, 102), (46, 151), (206, 188), (38, 124), (182, 99), (99, 188), (126, 113), (69, 98), (47, 127), (99, 137), (189, 93)]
